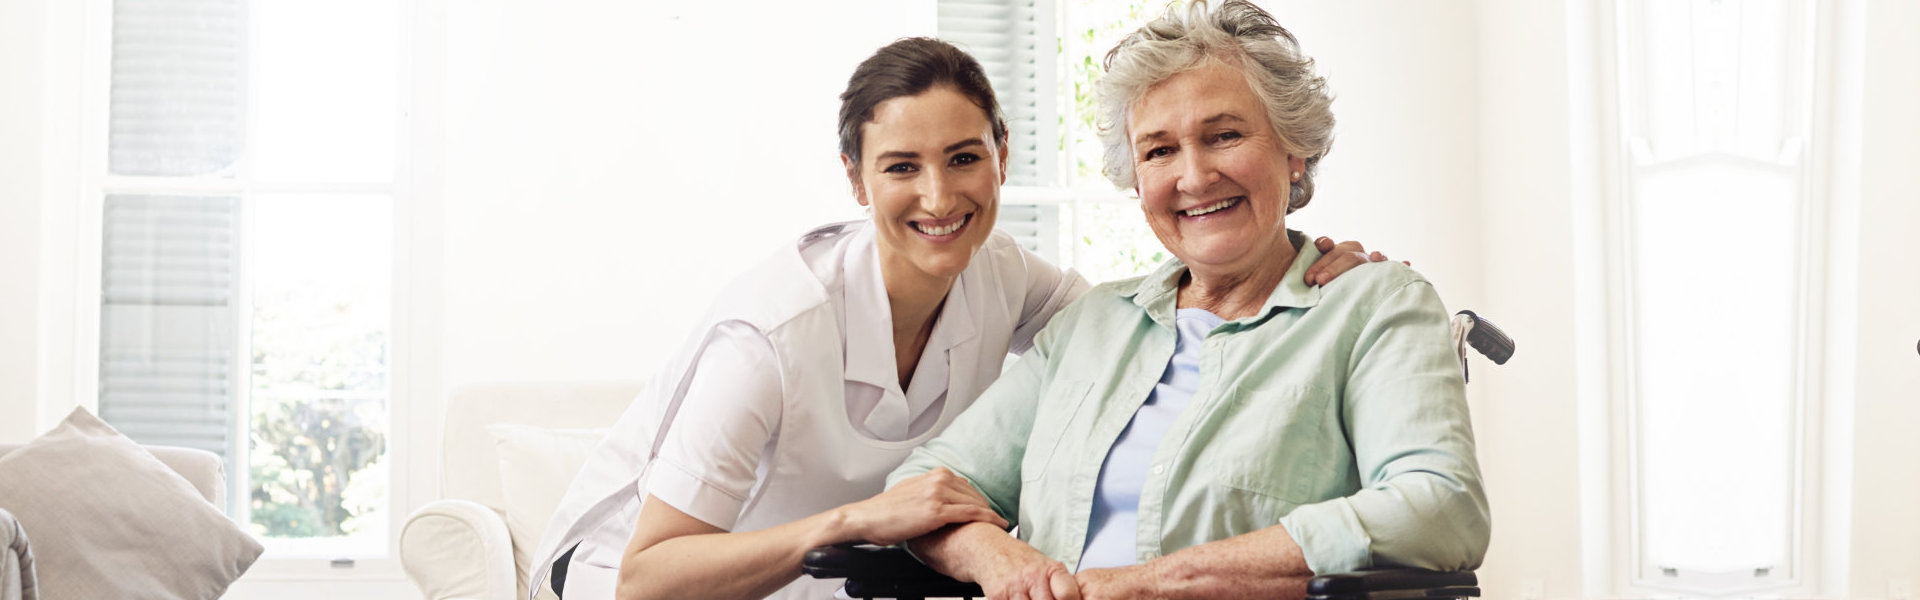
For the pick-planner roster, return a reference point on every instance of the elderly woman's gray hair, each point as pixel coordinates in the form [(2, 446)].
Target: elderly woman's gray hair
[(1238, 34)]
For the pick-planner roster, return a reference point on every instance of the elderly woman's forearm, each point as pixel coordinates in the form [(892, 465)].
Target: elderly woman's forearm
[(1344, 534), (956, 549), (1264, 564)]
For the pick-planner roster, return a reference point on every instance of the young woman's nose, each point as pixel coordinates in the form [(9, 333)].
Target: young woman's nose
[(937, 193)]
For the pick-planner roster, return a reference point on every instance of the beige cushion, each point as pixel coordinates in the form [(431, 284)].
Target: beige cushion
[(109, 520), (538, 463)]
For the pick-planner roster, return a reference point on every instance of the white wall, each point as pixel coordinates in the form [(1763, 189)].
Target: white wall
[(1401, 177), (22, 60), (1885, 537), (1526, 418)]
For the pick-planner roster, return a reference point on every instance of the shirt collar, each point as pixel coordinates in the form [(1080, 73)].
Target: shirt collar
[(1159, 291), (869, 318)]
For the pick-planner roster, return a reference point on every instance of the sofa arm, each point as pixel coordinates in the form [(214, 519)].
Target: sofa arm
[(458, 549)]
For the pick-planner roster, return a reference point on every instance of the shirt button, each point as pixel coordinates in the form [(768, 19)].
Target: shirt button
[(1158, 469)]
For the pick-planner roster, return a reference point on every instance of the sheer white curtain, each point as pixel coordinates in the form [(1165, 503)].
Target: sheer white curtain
[(1715, 103)]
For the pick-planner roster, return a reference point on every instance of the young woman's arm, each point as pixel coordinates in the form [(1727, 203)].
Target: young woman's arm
[(708, 464), (672, 553)]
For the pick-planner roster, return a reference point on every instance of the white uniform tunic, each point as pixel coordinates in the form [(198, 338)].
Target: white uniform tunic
[(785, 402)]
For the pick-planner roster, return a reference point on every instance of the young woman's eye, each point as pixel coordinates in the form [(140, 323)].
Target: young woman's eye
[(965, 158), (899, 168)]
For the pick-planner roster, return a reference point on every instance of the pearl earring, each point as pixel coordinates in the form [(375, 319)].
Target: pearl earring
[(1296, 175)]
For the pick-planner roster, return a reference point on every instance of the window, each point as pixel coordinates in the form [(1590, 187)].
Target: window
[(1043, 57), (247, 186), (1714, 101)]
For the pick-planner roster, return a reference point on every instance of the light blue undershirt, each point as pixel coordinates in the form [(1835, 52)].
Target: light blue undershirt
[(1114, 523)]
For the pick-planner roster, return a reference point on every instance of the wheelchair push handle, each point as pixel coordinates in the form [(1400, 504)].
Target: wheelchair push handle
[(1487, 338)]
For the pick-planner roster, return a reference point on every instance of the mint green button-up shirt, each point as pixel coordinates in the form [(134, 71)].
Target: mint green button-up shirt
[(1339, 412)]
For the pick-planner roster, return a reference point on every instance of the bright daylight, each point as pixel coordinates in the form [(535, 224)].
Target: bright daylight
[(1003, 299)]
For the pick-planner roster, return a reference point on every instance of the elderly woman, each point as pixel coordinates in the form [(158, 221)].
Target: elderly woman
[(1218, 428)]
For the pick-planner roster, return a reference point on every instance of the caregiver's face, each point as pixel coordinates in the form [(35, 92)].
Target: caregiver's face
[(932, 174), (1213, 177)]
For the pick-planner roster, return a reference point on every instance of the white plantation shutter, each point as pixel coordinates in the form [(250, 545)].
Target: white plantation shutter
[(178, 87), (169, 314), (1014, 41), (168, 319), (1035, 226)]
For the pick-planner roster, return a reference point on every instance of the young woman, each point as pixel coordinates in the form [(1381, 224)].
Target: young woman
[(814, 375)]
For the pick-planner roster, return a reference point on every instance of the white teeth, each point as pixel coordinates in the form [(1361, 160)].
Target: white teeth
[(1221, 205), (940, 230)]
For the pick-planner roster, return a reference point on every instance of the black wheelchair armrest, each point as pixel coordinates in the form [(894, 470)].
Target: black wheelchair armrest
[(1394, 584), (889, 572), (883, 572)]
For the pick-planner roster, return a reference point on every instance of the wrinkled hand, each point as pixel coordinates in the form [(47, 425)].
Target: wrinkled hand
[(1122, 583), (1016, 571), (1340, 258), (917, 506)]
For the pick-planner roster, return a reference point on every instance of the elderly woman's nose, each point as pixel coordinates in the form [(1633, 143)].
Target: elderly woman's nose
[(1197, 172)]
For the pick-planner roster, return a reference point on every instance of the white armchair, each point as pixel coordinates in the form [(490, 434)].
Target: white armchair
[(474, 544)]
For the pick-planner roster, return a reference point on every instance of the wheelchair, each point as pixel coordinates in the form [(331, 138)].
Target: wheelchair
[(890, 572)]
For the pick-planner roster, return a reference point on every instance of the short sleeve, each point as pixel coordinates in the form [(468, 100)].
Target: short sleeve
[(731, 410), (1049, 288)]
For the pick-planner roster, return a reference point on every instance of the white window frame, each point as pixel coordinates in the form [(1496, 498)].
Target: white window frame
[(1612, 520), (296, 562)]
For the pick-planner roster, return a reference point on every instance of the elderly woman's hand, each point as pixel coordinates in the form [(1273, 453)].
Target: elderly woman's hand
[(1005, 567), (1340, 258), (1016, 571)]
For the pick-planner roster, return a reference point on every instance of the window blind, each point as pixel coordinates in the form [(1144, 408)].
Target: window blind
[(168, 319), (1035, 226), (1015, 43), (1012, 40), (177, 105)]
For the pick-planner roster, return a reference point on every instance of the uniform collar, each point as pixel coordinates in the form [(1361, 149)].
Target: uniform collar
[(869, 319), (1159, 291)]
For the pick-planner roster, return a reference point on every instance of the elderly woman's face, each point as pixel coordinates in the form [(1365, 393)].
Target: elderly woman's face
[(1212, 175), (932, 174)]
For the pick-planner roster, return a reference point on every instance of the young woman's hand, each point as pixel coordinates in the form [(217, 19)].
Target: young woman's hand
[(916, 507), (1339, 258)]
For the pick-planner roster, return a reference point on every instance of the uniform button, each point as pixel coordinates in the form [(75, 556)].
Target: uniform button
[(1158, 469)]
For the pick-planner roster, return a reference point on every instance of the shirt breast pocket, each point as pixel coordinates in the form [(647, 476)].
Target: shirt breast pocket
[(1059, 405), (1279, 441)]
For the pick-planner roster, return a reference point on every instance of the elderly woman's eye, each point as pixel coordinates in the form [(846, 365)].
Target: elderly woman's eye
[(1158, 152), (1226, 136)]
